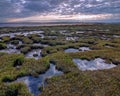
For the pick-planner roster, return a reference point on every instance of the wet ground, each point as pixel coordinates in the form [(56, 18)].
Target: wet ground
[(70, 38)]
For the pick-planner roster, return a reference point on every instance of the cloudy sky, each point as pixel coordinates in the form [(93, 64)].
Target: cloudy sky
[(59, 10)]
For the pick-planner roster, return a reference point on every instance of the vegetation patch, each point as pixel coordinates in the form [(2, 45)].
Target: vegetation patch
[(15, 89), (3, 46)]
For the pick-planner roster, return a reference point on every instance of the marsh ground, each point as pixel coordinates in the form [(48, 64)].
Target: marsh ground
[(102, 40)]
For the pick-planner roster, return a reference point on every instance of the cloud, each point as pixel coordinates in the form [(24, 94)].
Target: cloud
[(46, 18), (12, 9)]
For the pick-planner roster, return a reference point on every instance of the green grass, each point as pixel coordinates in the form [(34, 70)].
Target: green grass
[(26, 40), (6, 38), (3, 46), (8, 72), (15, 89), (25, 50), (96, 83)]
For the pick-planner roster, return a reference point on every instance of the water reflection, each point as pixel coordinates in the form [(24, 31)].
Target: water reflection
[(84, 49), (12, 35), (97, 64), (11, 49), (33, 83), (71, 50), (36, 53)]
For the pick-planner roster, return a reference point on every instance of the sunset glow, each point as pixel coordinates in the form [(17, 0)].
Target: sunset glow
[(51, 18)]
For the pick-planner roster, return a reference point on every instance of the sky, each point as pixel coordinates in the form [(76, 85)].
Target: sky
[(59, 11)]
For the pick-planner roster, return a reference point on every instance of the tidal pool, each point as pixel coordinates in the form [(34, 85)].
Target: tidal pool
[(71, 50), (34, 83), (96, 64)]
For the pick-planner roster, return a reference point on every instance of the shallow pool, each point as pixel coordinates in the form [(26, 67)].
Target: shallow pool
[(71, 50), (34, 83), (11, 49), (21, 33), (35, 53), (84, 49), (96, 64)]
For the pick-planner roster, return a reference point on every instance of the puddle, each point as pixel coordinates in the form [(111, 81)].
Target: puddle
[(72, 38), (42, 35), (36, 54), (66, 32), (39, 44), (63, 31), (80, 32), (96, 64), (116, 36), (19, 43), (71, 50), (84, 49), (11, 46), (34, 83), (11, 49), (21, 33), (53, 37), (108, 46)]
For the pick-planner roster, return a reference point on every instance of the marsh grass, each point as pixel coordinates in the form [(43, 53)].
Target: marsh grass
[(74, 82), (3, 46), (15, 89)]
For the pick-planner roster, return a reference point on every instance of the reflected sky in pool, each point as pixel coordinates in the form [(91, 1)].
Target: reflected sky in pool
[(96, 64), (71, 50), (33, 83)]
